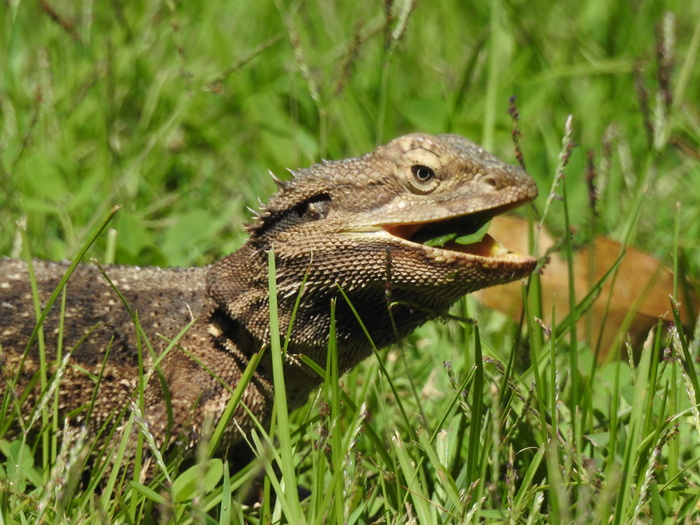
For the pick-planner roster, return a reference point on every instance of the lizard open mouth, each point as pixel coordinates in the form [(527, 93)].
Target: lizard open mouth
[(465, 234)]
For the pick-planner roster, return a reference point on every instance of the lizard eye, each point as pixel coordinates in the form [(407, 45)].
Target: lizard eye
[(422, 173), (422, 179)]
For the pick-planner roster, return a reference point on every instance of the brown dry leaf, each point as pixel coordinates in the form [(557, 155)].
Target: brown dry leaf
[(638, 296)]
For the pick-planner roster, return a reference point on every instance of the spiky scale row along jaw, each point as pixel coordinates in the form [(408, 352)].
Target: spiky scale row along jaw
[(360, 225)]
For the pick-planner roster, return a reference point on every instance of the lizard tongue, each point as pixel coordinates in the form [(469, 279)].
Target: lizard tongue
[(464, 234), (437, 233), (486, 247)]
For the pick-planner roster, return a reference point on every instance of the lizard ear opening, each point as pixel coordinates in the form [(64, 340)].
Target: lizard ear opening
[(312, 209), (315, 208)]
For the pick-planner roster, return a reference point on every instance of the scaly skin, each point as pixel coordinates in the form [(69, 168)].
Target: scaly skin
[(356, 224)]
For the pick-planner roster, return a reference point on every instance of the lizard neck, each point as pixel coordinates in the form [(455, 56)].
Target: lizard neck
[(239, 286)]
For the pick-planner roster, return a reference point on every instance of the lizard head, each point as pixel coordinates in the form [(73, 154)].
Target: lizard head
[(400, 229)]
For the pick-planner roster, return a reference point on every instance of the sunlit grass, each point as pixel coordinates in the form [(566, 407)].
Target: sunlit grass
[(177, 110)]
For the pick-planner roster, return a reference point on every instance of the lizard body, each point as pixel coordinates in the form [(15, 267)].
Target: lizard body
[(361, 225)]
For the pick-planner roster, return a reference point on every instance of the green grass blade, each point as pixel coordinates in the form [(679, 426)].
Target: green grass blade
[(293, 510)]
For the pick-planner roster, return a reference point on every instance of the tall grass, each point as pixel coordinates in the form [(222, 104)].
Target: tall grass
[(177, 110)]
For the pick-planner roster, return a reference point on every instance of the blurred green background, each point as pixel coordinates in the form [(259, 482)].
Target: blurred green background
[(176, 111)]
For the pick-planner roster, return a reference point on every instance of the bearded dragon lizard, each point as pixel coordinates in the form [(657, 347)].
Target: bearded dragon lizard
[(386, 228)]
